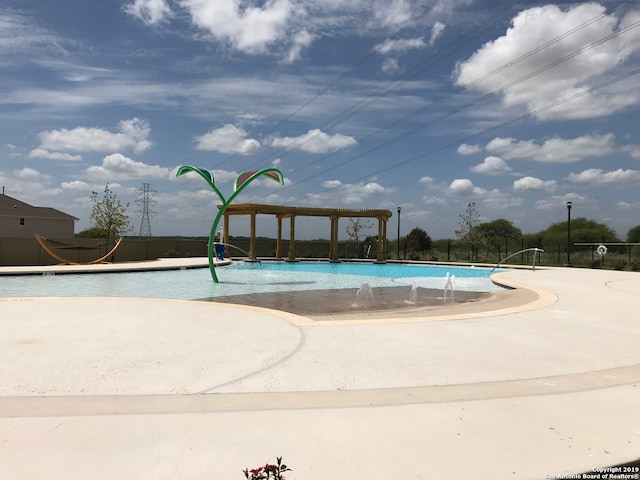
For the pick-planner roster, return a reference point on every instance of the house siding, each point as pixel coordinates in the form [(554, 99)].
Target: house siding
[(21, 220), (10, 227)]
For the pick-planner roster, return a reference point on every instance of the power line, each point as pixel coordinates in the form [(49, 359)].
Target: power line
[(145, 225), (362, 61), (472, 103), (349, 111), (530, 114)]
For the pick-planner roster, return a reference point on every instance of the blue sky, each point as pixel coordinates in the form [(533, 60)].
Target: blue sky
[(519, 106)]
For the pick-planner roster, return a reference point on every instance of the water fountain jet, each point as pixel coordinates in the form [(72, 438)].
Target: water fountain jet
[(413, 296), (448, 286), (364, 295)]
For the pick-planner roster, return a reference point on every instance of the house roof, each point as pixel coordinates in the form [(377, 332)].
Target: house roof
[(11, 207)]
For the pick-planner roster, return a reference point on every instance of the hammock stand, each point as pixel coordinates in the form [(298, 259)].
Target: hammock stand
[(64, 261)]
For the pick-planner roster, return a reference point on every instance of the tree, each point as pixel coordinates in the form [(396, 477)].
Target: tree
[(498, 231), (355, 227), (468, 224), (582, 230), (109, 215), (633, 236), (418, 240), (92, 232)]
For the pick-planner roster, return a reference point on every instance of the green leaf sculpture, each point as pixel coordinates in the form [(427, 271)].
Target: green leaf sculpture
[(240, 183)]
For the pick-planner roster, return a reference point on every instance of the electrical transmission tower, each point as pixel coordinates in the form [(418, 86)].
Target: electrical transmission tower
[(145, 225)]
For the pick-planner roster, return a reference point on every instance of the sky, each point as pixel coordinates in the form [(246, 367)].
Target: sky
[(518, 106)]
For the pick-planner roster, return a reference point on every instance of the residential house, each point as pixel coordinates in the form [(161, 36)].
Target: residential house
[(21, 220)]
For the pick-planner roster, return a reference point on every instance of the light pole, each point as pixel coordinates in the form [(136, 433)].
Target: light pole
[(569, 205), (399, 209)]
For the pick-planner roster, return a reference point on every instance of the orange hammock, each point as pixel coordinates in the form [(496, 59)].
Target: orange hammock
[(64, 261)]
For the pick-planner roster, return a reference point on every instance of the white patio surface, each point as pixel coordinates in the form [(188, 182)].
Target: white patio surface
[(107, 388)]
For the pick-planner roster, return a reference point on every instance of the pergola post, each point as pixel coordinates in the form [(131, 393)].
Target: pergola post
[(279, 239), (333, 242), (225, 232), (382, 235), (292, 237), (252, 238)]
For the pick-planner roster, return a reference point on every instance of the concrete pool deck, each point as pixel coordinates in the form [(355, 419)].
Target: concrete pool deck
[(134, 388)]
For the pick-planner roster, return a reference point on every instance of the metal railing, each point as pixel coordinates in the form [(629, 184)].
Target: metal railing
[(533, 265)]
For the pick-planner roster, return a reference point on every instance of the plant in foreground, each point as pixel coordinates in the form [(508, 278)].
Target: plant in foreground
[(269, 471)]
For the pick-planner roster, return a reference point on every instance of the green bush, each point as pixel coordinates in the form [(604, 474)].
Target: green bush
[(619, 265)]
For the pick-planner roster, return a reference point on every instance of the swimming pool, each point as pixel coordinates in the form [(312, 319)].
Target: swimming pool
[(245, 278)]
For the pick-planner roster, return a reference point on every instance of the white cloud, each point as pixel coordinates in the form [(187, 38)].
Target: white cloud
[(315, 141), (534, 184), (77, 186), (554, 150), (30, 174), (511, 57), (634, 151), (598, 177), (434, 200), (27, 184), (220, 176), (501, 200), (301, 40), (332, 184), (19, 34), (560, 201), (281, 27), (390, 65), (43, 153), (228, 139), (249, 29), (402, 45), (464, 187), (627, 205), (119, 167), (151, 12), (352, 193), (132, 133), (465, 149), (428, 181), (492, 166), (391, 13), (436, 31)]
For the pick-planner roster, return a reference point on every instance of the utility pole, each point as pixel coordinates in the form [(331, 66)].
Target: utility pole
[(145, 201)]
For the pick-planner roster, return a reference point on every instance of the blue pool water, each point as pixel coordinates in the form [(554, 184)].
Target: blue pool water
[(244, 278)]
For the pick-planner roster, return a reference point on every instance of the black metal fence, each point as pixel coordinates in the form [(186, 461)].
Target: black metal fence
[(26, 251)]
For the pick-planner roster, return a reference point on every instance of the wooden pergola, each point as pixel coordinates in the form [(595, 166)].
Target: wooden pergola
[(280, 212)]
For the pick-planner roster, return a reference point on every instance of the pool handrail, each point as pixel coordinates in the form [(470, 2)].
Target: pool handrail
[(533, 265)]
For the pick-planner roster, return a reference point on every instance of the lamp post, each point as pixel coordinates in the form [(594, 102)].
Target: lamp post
[(398, 255), (569, 205)]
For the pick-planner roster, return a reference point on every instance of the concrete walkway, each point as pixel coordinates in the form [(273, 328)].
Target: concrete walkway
[(106, 388)]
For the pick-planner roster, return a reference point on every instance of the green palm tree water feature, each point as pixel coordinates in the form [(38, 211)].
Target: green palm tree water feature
[(240, 183)]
